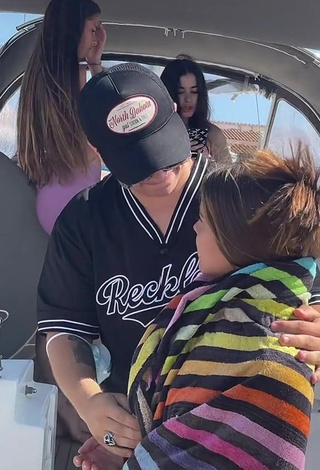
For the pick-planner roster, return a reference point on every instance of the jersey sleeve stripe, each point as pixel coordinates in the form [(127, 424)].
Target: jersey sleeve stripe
[(60, 320), (315, 299), (67, 329)]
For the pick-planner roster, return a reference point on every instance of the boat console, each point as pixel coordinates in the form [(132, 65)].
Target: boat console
[(28, 418)]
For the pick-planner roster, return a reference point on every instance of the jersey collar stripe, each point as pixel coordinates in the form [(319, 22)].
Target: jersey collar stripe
[(145, 217), (204, 169), (124, 191), (180, 211), (186, 197)]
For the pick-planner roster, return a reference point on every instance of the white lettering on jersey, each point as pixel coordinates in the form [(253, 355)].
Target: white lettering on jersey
[(118, 296)]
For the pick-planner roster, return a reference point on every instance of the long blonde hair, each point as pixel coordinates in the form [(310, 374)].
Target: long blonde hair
[(51, 142)]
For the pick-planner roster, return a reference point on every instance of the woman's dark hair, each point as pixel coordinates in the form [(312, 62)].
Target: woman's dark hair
[(170, 76), (264, 207), (50, 139)]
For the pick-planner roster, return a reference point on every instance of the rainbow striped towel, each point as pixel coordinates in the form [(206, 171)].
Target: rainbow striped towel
[(212, 387)]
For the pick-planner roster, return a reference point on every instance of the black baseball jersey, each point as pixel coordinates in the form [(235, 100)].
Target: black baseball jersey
[(109, 270)]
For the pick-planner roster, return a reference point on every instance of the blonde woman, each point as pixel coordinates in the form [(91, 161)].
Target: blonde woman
[(52, 148)]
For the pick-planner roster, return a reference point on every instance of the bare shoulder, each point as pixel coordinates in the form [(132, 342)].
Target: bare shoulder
[(216, 136), (217, 144)]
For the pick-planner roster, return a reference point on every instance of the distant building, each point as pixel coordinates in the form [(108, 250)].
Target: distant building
[(243, 139)]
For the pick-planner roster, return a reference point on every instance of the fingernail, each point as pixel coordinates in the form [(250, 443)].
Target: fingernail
[(314, 380), (284, 339), (274, 326), (302, 356), (299, 310)]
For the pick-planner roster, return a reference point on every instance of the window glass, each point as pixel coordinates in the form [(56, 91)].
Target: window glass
[(240, 110), (290, 127), (8, 126)]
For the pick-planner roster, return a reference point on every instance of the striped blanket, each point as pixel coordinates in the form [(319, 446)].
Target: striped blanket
[(211, 385)]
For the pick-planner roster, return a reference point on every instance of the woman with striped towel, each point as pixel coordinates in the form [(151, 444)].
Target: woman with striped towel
[(211, 385)]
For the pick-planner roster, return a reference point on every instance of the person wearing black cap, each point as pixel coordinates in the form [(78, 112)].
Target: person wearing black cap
[(129, 116), (122, 249)]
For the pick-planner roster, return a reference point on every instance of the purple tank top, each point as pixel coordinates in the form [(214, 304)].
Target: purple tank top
[(52, 198)]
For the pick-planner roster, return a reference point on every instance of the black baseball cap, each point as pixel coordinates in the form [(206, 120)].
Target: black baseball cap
[(129, 117)]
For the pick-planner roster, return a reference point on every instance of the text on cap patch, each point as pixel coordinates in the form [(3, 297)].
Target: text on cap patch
[(132, 115)]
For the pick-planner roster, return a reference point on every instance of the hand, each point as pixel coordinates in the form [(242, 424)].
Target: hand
[(95, 52), (107, 412), (92, 456), (304, 334)]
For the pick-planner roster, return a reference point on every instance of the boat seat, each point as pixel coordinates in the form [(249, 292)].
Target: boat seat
[(23, 245)]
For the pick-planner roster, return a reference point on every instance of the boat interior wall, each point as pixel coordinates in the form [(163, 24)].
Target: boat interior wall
[(23, 244), (290, 22), (293, 69)]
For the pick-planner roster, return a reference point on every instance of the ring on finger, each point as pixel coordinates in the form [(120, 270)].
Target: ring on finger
[(109, 439)]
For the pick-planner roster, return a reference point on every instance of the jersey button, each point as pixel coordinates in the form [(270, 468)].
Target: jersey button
[(164, 251)]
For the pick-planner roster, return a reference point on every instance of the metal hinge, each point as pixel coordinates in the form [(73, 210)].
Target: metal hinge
[(4, 315)]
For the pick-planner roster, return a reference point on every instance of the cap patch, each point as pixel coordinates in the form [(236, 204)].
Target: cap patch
[(132, 115)]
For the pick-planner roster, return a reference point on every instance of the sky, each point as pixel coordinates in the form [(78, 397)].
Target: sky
[(8, 23)]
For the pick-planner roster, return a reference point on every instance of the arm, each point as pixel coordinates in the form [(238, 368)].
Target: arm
[(263, 421), (73, 367), (66, 304), (95, 53), (217, 145), (68, 418), (93, 59)]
